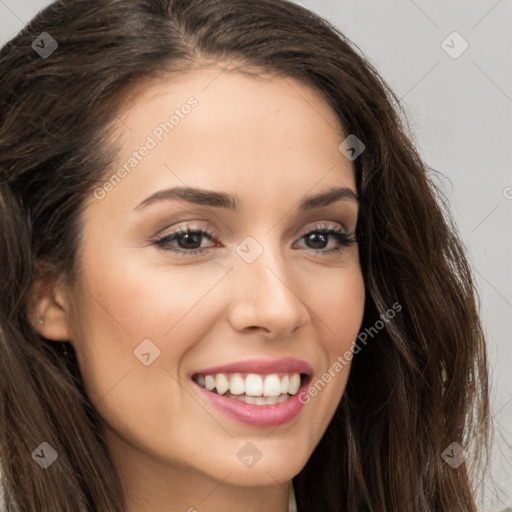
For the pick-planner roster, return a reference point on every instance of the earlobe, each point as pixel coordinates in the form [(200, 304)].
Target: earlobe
[(49, 307)]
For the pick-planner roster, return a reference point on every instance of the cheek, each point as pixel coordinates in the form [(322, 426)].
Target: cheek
[(129, 310), (140, 300), (339, 307), (137, 326)]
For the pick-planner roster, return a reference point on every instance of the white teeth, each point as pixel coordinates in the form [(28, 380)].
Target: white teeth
[(237, 385), (272, 385), (221, 383), (253, 385), (260, 400), (285, 381), (209, 382), (294, 384)]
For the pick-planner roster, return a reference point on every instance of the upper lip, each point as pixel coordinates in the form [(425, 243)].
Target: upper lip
[(260, 366)]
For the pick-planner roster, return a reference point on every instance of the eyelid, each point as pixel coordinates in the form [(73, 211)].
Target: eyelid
[(187, 225), (324, 225)]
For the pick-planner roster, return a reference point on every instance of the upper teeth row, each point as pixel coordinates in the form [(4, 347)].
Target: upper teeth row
[(252, 385)]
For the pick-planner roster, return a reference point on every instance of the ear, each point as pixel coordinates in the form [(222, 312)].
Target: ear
[(49, 306)]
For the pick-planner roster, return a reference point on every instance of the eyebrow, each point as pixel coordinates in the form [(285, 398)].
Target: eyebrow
[(232, 202)]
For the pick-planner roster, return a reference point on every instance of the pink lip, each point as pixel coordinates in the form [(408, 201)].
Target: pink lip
[(270, 415), (261, 366)]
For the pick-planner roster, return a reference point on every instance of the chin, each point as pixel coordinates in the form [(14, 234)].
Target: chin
[(263, 462)]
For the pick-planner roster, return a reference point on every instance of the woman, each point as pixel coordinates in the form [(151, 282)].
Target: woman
[(140, 372)]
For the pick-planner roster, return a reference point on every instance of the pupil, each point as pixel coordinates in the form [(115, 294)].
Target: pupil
[(318, 238), (189, 238)]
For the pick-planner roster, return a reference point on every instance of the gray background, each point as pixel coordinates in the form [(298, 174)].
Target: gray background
[(461, 112)]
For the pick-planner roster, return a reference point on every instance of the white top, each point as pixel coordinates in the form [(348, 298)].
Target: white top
[(292, 503)]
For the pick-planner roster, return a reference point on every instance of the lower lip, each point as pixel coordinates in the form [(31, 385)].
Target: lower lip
[(270, 415)]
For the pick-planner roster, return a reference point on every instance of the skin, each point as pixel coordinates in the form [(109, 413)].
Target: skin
[(272, 142)]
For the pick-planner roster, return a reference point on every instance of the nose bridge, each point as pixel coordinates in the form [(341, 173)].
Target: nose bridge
[(260, 262), (267, 295)]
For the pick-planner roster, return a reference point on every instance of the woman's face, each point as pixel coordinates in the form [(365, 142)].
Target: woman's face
[(156, 319)]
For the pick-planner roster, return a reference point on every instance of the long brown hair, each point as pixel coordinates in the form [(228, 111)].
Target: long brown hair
[(419, 385)]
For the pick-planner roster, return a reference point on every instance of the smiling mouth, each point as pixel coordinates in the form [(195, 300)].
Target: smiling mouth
[(253, 388)]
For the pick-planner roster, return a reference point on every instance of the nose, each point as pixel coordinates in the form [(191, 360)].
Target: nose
[(266, 296)]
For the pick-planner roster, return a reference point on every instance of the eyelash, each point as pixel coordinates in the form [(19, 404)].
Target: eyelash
[(345, 239)]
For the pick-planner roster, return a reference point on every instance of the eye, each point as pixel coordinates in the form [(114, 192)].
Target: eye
[(187, 241), (319, 236)]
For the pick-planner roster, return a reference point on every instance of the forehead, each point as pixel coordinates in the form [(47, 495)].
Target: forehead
[(214, 128), (228, 97)]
